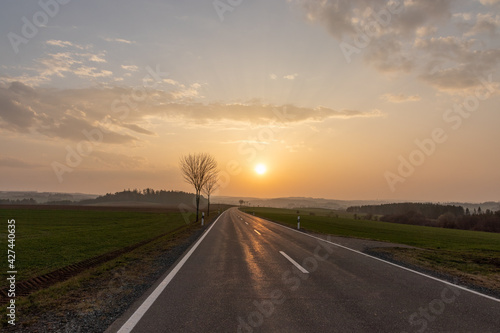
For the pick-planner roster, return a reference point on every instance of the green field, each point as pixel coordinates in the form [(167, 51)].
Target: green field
[(50, 239)]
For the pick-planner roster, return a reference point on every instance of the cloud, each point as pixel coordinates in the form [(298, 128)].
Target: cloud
[(389, 55), (400, 98), (9, 162), (60, 43), (63, 64), (456, 64), (256, 142), (485, 24), (420, 39), (295, 148), (119, 40), (93, 72), (290, 76), (69, 114), (14, 110), (257, 114), (63, 114), (489, 2), (347, 18), (137, 128), (273, 76), (119, 161), (95, 57), (130, 68), (421, 13), (336, 16)]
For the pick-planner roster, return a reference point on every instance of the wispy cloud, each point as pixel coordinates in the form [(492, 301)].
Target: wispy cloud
[(119, 40), (130, 68), (62, 43), (10, 162), (400, 98), (61, 65)]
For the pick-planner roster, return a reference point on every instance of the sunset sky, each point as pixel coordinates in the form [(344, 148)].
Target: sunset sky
[(337, 99)]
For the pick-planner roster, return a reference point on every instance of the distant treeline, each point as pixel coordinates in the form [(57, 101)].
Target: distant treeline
[(428, 210), (136, 195), (146, 195), (433, 215), (29, 201)]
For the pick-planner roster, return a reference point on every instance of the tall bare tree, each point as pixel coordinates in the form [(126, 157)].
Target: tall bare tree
[(197, 169), (211, 185)]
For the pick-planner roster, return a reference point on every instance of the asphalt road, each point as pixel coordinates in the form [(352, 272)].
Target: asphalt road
[(242, 277)]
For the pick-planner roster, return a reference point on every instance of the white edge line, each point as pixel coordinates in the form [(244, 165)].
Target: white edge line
[(246, 223), (392, 264), (302, 269), (257, 232), (137, 315)]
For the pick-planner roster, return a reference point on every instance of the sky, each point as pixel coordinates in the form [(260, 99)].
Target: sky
[(387, 100)]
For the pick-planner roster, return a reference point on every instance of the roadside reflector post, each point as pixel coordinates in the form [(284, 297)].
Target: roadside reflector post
[(298, 222), (202, 218)]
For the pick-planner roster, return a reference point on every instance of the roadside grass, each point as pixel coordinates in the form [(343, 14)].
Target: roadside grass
[(472, 255), (47, 240)]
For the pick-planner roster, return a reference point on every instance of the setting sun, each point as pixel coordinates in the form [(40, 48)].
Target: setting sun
[(260, 169)]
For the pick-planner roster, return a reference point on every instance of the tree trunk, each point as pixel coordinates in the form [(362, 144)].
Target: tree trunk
[(208, 208), (197, 205)]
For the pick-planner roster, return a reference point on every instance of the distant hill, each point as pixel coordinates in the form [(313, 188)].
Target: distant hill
[(147, 196), (128, 197), (304, 202), (144, 198), (42, 197), (296, 202)]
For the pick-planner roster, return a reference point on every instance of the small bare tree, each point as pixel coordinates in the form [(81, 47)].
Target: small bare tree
[(197, 170), (211, 185)]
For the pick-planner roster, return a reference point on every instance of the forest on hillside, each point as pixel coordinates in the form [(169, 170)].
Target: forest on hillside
[(429, 210), (147, 195), (433, 215)]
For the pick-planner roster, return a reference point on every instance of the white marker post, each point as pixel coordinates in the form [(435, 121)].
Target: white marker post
[(298, 222), (202, 218)]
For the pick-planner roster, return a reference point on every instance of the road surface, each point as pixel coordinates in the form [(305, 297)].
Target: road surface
[(251, 275)]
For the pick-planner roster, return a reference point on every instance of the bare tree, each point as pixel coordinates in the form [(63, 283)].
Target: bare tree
[(197, 170), (211, 185)]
